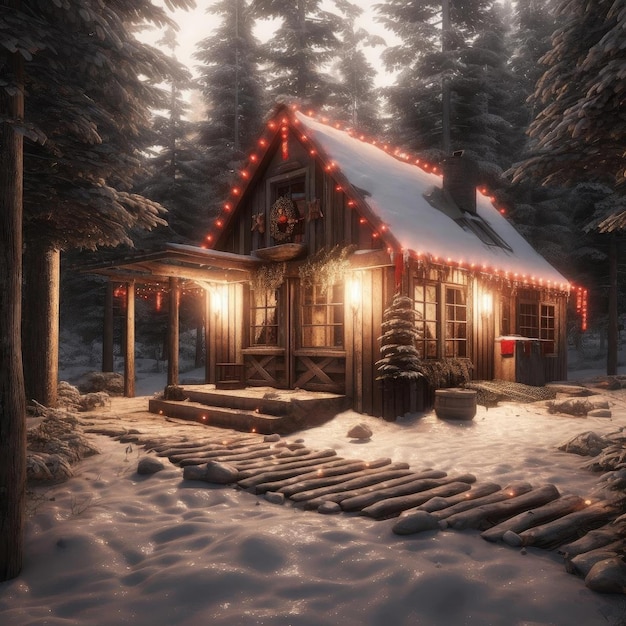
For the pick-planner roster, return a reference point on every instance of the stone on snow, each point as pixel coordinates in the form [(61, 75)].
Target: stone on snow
[(149, 465), (415, 523), (360, 431), (220, 473), (329, 507), (275, 497)]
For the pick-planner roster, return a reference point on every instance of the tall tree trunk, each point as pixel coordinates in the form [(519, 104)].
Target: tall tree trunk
[(12, 420), (40, 328), (612, 331)]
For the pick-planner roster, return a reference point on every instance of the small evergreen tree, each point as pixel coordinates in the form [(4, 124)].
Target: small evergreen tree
[(399, 358)]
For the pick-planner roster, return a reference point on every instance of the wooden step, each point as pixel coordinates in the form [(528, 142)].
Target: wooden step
[(224, 417), (261, 410)]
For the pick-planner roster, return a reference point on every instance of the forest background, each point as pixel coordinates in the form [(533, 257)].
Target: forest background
[(99, 150), (322, 56)]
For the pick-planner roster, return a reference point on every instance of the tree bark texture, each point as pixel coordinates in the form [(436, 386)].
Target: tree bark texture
[(12, 419), (40, 326)]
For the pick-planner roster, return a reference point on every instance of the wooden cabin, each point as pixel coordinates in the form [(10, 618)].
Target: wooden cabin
[(322, 230)]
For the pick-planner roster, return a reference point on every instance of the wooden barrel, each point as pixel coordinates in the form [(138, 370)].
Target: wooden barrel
[(455, 404)]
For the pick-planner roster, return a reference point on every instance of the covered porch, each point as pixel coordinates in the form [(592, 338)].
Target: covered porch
[(170, 271)]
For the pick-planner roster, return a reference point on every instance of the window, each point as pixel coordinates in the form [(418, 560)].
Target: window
[(292, 189), (264, 318), (426, 304), (528, 321), (456, 323), (322, 317), (433, 322), (287, 207), (538, 320), (547, 322)]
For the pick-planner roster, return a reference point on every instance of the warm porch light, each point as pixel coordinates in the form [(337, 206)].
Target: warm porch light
[(355, 293), (217, 301), (486, 304)]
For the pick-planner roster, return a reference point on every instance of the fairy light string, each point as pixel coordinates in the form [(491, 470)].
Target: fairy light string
[(285, 124)]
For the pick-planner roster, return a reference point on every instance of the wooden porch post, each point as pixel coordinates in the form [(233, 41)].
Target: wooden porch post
[(129, 352), (107, 330), (173, 334), (207, 335)]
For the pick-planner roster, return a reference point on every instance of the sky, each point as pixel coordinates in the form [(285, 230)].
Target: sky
[(111, 547)]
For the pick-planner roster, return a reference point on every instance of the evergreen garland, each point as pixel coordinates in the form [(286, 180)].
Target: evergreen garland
[(326, 267), (269, 277)]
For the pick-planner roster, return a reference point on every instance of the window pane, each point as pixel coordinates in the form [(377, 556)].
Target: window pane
[(425, 304), (456, 323), (322, 317), (528, 319)]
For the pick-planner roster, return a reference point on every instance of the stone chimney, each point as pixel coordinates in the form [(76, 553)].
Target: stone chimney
[(460, 175)]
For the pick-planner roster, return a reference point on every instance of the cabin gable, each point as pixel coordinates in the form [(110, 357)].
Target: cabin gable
[(326, 214)]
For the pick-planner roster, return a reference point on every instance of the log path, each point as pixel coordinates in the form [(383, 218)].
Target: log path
[(590, 536)]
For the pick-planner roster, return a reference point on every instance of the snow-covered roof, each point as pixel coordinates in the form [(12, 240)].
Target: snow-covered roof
[(395, 191)]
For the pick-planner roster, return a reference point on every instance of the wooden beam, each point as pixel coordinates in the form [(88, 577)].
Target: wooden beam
[(207, 336), (148, 274), (173, 332), (129, 358)]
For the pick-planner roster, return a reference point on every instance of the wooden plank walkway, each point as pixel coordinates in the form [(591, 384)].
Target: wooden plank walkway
[(519, 514)]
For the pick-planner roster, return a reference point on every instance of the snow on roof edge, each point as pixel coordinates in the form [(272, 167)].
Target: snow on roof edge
[(396, 191)]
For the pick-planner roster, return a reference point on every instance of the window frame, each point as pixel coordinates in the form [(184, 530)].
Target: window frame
[(455, 322), (326, 318), (443, 322), (545, 328), (265, 307), (272, 185)]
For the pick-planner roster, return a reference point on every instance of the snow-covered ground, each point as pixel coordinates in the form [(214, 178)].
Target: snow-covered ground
[(112, 547)]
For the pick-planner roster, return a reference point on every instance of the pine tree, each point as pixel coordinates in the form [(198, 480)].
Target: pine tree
[(175, 178), (296, 55), (486, 105), (230, 84), (399, 358), (86, 104), (530, 36), (468, 61), (12, 407), (579, 129), (355, 99)]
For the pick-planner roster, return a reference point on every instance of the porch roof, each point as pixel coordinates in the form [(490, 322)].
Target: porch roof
[(177, 261)]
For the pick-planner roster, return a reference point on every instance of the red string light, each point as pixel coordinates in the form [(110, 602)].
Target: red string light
[(398, 153)]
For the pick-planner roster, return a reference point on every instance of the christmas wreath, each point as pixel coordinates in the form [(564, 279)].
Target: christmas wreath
[(283, 219)]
